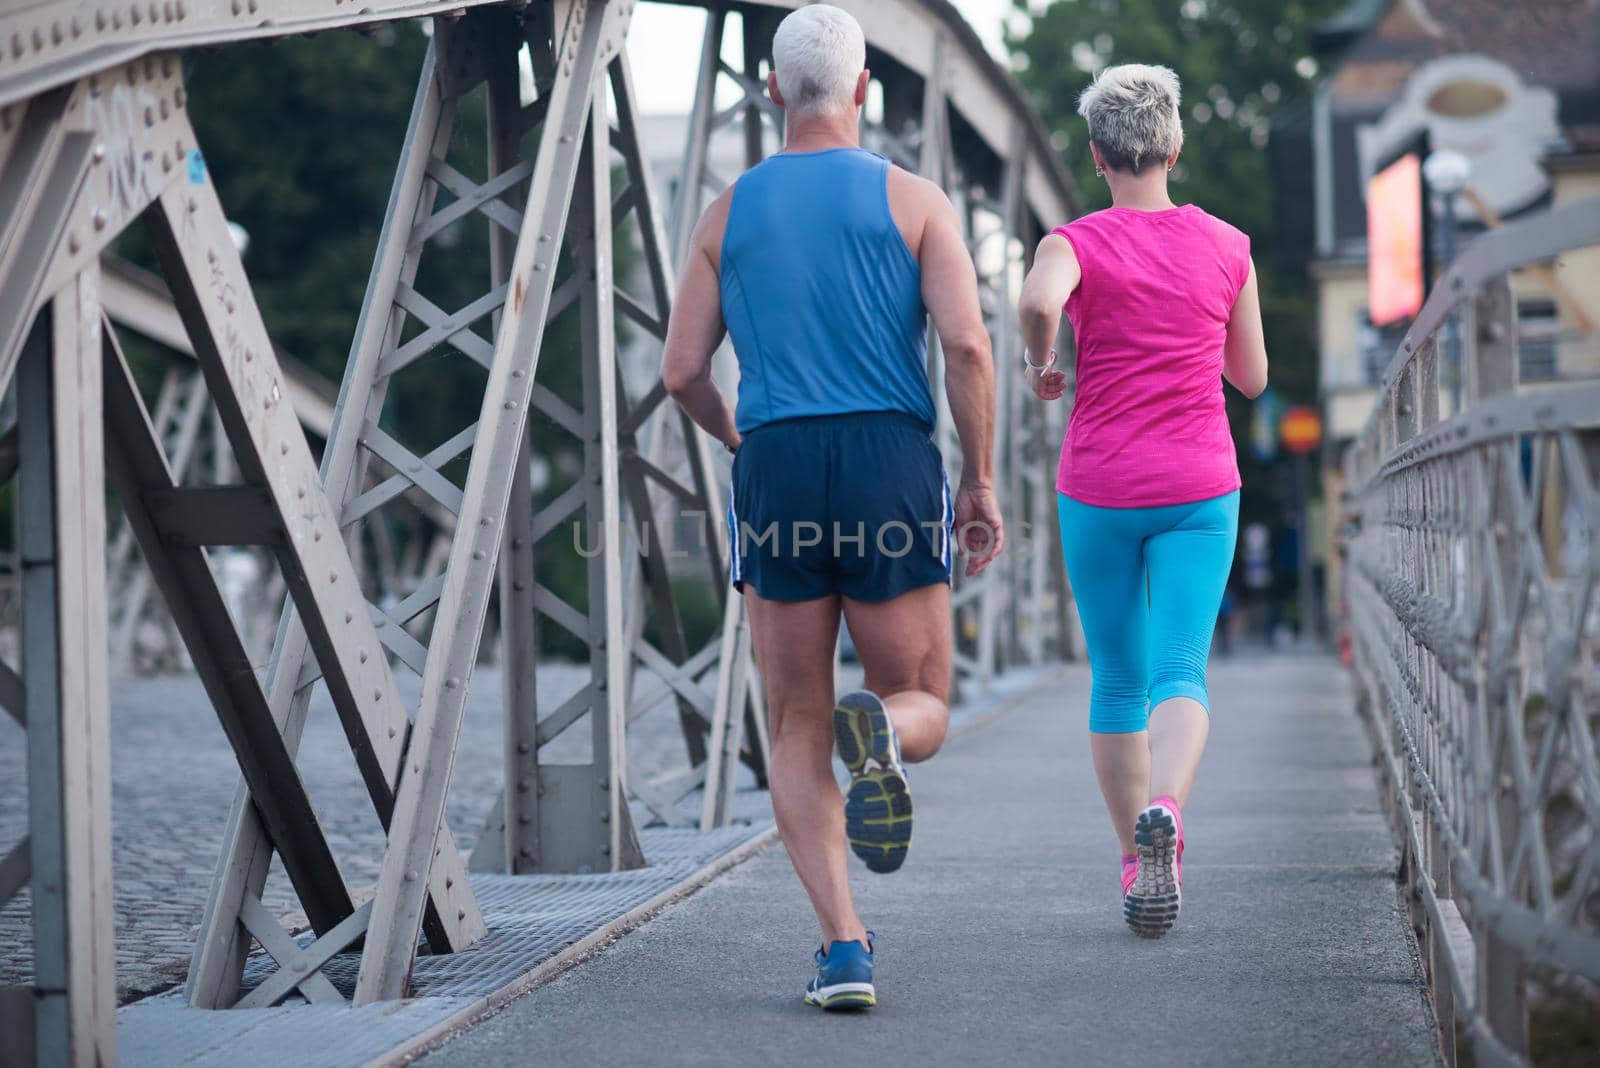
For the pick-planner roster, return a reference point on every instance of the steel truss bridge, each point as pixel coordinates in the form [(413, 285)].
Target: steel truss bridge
[(95, 138)]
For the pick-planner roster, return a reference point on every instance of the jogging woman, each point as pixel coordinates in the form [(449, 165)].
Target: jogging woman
[(1163, 303)]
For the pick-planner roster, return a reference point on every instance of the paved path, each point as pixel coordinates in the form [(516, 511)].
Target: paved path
[(1002, 942)]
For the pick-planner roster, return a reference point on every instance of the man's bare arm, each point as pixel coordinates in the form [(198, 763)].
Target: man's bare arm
[(950, 292), (697, 329)]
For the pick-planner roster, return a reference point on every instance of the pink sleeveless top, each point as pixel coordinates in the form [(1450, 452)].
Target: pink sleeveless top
[(1148, 423)]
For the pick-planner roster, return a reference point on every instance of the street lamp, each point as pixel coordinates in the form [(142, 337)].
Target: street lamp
[(1446, 173)]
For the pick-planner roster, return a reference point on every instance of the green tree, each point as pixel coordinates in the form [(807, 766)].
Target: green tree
[(1242, 63)]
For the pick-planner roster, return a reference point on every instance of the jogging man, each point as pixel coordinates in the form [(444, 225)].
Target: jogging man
[(823, 264)]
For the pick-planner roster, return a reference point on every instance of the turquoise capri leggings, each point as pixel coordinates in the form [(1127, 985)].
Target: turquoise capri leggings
[(1148, 583)]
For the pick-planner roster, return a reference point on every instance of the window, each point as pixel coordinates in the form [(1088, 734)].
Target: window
[(1538, 338)]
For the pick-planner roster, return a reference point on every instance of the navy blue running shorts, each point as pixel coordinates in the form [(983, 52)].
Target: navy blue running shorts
[(853, 504)]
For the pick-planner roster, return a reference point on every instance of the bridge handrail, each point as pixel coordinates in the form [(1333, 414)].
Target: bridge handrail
[(1473, 543)]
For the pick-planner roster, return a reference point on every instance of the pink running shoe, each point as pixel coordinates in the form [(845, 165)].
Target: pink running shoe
[(1151, 903), (1130, 872)]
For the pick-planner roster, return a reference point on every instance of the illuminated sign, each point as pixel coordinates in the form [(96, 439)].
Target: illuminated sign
[(1394, 241)]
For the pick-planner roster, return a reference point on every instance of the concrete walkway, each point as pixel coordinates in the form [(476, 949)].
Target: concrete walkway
[(1001, 941)]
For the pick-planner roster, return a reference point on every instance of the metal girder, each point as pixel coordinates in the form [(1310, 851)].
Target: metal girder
[(53, 43), (587, 33), (65, 687)]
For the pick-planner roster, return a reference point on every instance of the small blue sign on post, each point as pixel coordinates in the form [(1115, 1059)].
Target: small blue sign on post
[(197, 167), (1264, 426)]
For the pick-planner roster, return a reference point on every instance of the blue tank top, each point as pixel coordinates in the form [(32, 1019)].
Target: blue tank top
[(821, 296)]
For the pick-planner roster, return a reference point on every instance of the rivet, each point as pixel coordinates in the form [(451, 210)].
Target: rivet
[(522, 747), (72, 243), (605, 851), (392, 732), (411, 876), (252, 6), (77, 27), (56, 35), (135, 15), (283, 450), (155, 12), (524, 820), (461, 914), (518, 374), (166, 163), (180, 96), (100, 20), (38, 38), (333, 576), (377, 695), (477, 554), (162, 108), (363, 656), (348, 616), (236, 6), (523, 786), (17, 47), (511, 406), (301, 492), (519, 585), (99, 219), (452, 683)]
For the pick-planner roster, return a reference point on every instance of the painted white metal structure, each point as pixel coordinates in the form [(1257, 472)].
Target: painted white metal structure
[(94, 137)]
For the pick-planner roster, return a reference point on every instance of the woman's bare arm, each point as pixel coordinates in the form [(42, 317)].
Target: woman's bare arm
[(1054, 276), (1244, 354)]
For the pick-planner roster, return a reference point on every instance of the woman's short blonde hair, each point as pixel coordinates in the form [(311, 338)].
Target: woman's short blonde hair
[(1132, 111)]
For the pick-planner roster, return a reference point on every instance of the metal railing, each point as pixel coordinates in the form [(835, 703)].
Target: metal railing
[(1473, 556)]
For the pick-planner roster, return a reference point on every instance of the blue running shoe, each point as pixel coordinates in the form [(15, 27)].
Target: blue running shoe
[(877, 808), (844, 977)]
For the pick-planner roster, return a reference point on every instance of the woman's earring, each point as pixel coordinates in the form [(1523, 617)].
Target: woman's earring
[(1099, 172)]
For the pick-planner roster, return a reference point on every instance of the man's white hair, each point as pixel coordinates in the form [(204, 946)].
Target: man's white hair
[(818, 54), (1132, 111)]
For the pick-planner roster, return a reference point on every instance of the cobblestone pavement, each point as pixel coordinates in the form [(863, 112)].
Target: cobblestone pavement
[(173, 781)]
